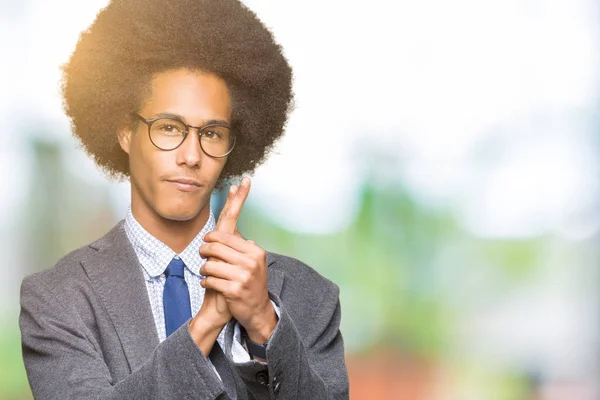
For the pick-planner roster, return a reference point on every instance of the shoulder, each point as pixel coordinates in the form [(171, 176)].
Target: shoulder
[(303, 294), (300, 274), (68, 270)]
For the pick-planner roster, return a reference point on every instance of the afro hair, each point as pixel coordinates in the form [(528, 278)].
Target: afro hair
[(110, 72)]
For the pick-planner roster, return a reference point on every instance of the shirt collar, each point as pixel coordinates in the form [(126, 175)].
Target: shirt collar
[(155, 256)]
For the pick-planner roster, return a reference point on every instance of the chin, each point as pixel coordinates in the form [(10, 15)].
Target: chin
[(180, 214), (174, 210)]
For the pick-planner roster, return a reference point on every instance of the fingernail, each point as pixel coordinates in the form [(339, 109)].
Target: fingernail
[(232, 189), (245, 181)]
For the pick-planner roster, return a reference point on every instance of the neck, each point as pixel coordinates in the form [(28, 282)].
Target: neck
[(175, 234)]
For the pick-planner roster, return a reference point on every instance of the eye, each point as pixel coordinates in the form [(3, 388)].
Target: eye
[(211, 134), (168, 128)]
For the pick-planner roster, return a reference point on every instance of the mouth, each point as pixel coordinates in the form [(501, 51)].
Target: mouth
[(185, 184)]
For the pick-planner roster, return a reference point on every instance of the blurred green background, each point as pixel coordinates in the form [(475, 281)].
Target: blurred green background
[(441, 167)]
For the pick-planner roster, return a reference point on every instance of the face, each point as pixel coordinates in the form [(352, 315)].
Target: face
[(197, 98)]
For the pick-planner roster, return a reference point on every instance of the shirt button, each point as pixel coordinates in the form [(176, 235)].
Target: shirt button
[(262, 377)]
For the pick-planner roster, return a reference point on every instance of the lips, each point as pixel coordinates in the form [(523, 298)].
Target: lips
[(185, 184), (185, 181)]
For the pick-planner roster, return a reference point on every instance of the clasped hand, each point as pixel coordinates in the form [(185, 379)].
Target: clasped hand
[(236, 273)]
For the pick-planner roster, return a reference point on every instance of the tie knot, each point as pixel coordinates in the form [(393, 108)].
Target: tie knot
[(175, 267)]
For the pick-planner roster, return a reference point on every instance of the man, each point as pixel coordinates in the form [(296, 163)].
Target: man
[(179, 96)]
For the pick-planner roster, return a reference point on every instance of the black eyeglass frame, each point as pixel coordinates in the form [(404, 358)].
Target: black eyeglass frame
[(149, 123)]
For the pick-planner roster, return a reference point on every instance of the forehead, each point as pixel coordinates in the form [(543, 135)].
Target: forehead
[(195, 95)]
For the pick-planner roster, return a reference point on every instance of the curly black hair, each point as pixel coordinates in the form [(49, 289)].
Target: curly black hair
[(109, 74)]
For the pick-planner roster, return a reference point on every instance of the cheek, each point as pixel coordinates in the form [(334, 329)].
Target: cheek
[(215, 166), (143, 162)]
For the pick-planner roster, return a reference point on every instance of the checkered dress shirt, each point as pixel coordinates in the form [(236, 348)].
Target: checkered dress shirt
[(155, 256)]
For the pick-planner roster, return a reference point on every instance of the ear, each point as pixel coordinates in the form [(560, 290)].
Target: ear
[(124, 135)]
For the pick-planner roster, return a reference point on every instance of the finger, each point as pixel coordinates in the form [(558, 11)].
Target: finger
[(230, 198), (232, 208), (231, 194), (237, 233), (222, 286), (223, 253), (220, 269), (237, 243)]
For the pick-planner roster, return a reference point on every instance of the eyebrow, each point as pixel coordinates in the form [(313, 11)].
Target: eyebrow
[(177, 116)]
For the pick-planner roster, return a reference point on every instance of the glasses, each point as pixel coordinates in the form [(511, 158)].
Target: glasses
[(168, 133)]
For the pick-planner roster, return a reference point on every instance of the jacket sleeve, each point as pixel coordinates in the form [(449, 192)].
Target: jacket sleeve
[(62, 363), (302, 366)]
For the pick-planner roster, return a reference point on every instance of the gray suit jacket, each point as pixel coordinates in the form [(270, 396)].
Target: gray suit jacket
[(88, 333)]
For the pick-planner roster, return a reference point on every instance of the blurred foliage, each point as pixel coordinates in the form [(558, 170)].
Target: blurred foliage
[(13, 381)]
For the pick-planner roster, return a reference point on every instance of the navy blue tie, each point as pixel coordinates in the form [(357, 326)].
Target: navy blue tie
[(176, 297)]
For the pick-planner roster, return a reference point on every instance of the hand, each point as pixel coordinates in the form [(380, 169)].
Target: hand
[(237, 269), (227, 223), (214, 313)]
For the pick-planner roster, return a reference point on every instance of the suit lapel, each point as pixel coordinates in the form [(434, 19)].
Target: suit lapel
[(117, 277)]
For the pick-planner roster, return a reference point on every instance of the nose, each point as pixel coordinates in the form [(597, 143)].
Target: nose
[(189, 152)]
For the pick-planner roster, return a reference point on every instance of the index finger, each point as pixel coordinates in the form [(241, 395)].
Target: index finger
[(233, 206)]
